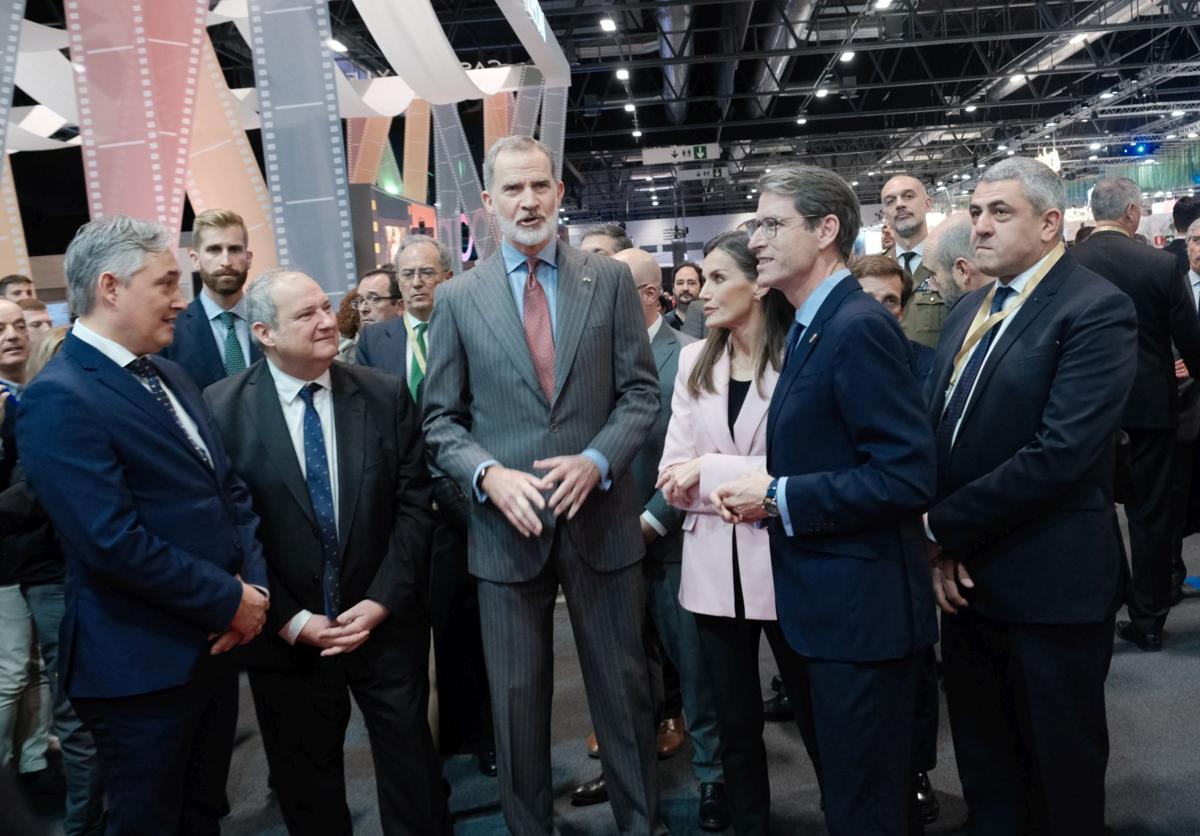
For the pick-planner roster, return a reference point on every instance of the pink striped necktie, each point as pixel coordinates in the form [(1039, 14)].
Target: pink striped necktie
[(539, 336)]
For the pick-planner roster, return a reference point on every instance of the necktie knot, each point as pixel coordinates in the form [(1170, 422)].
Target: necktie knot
[(1002, 294), (420, 328), (142, 367), (533, 265), (908, 260), (227, 318), (309, 391)]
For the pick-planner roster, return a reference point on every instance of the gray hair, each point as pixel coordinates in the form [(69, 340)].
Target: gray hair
[(444, 258), (817, 192), (513, 143), (1041, 186), (1111, 196), (116, 244), (614, 231), (953, 243), (260, 302)]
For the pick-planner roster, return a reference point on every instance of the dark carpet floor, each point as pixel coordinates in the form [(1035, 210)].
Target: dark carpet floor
[(1153, 775)]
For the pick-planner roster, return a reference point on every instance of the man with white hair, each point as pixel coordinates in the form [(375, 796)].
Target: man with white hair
[(950, 258), (1029, 382), (1166, 316)]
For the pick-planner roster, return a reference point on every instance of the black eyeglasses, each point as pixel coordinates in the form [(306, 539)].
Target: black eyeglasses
[(770, 226), (371, 299)]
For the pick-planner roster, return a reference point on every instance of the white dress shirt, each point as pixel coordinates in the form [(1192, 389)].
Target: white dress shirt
[(919, 249), (408, 349), (241, 325), (1194, 283), (122, 356), (293, 406)]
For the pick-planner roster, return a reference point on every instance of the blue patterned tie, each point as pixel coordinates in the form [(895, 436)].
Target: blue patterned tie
[(962, 389), (320, 491), (234, 359), (793, 340), (144, 369)]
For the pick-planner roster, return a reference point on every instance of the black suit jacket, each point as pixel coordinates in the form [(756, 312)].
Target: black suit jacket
[(1165, 314), (1025, 499), (196, 350), (384, 521), (1178, 249)]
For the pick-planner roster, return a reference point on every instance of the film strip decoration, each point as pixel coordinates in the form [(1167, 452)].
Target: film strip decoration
[(222, 171), (497, 118), (14, 258), (529, 102), (554, 124), (302, 139), (416, 151), (365, 141), (460, 165), (137, 68)]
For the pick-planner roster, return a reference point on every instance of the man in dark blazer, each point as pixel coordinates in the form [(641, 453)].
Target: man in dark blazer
[(399, 346), (1024, 538), (851, 579), (1183, 214), (905, 205), (158, 534), (687, 318), (1166, 315), (333, 459), (212, 337), (541, 388)]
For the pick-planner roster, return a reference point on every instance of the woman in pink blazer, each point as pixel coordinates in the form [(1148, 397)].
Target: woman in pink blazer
[(718, 431)]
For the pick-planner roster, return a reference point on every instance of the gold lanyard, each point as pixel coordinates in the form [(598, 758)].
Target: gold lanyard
[(412, 343), (1110, 227), (984, 322)]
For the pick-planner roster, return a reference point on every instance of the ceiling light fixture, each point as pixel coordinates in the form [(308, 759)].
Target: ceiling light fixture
[(1178, 113), (880, 5), (336, 45), (1107, 94), (629, 108), (1095, 146), (608, 24), (1080, 38), (847, 56), (1093, 157), (622, 74), (853, 182), (637, 134), (970, 108), (1016, 78), (1172, 136), (1001, 147), (1011, 152), (822, 92), (801, 121)]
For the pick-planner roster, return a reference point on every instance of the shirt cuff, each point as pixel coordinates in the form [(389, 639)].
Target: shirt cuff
[(480, 496), (653, 522), (601, 464), (928, 530), (781, 504), (266, 592), (291, 630)]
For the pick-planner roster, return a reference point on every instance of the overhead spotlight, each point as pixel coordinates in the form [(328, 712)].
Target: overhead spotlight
[(1192, 135), (822, 92), (1001, 147), (336, 45), (1107, 94), (607, 24), (749, 197), (939, 183), (853, 182), (1016, 78), (622, 74), (801, 121), (981, 165), (629, 108), (1080, 38), (637, 134), (766, 171), (1172, 136), (970, 108), (847, 56), (754, 191), (889, 162), (1178, 113), (880, 5), (870, 174), (1011, 152), (1095, 146), (1093, 157), (1050, 125)]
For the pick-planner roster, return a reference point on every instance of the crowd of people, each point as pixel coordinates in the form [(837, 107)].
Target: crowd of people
[(382, 503)]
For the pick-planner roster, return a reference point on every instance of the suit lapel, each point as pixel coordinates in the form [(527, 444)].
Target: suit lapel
[(812, 334), (349, 427), (937, 399), (494, 300), (665, 345), (201, 336), (715, 408), (195, 410), (753, 412), (263, 411), (575, 291)]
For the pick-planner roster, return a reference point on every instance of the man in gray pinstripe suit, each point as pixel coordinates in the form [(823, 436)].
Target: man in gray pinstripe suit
[(541, 388)]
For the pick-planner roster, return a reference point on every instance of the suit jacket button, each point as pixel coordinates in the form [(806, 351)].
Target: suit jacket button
[(554, 428)]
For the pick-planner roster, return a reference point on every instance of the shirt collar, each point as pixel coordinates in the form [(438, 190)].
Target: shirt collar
[(412, 321), (212, 310), (111, 349), (808, 310), (514, 258), (289, 387), (918, 248), (1193, 277), (15, 388), (654, 327), (1021, 279)]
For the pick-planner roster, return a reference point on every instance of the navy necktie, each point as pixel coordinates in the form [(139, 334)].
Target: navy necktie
[(793, 340), (320, 491), (962, 389), (144, 369)]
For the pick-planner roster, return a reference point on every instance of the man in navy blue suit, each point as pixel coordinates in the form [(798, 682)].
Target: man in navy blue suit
[(851, 578), (1029, 383), (164, 574), (212, 337)]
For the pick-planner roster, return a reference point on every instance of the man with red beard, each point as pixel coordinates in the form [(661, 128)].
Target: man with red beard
[(212, 337)]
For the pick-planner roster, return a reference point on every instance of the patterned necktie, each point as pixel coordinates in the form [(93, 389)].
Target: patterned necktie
[(539, 336), (415, 373), (962, 389), (235, 360), (144, 369), (320, 491), (793, 340)]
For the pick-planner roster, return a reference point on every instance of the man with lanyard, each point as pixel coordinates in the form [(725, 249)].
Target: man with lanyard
[(1028, 386), (905, 204)]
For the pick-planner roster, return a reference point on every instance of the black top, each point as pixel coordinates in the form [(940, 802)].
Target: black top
[(737, 397)]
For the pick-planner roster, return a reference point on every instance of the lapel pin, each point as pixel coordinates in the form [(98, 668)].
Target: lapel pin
[(813, 338), (587, 279)]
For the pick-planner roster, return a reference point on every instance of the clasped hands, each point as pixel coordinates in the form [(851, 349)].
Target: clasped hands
[(948, 576), (247, 622), (520, 495), (739, 500), (347, 632)]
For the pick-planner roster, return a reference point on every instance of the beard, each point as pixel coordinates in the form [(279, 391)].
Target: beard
[(527, 236), (908, 227), (224, 284)]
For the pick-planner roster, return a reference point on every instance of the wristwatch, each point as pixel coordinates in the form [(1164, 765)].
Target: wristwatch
[(769, 505)]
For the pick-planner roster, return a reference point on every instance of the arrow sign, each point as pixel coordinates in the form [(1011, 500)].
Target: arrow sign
[(675, 154)]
